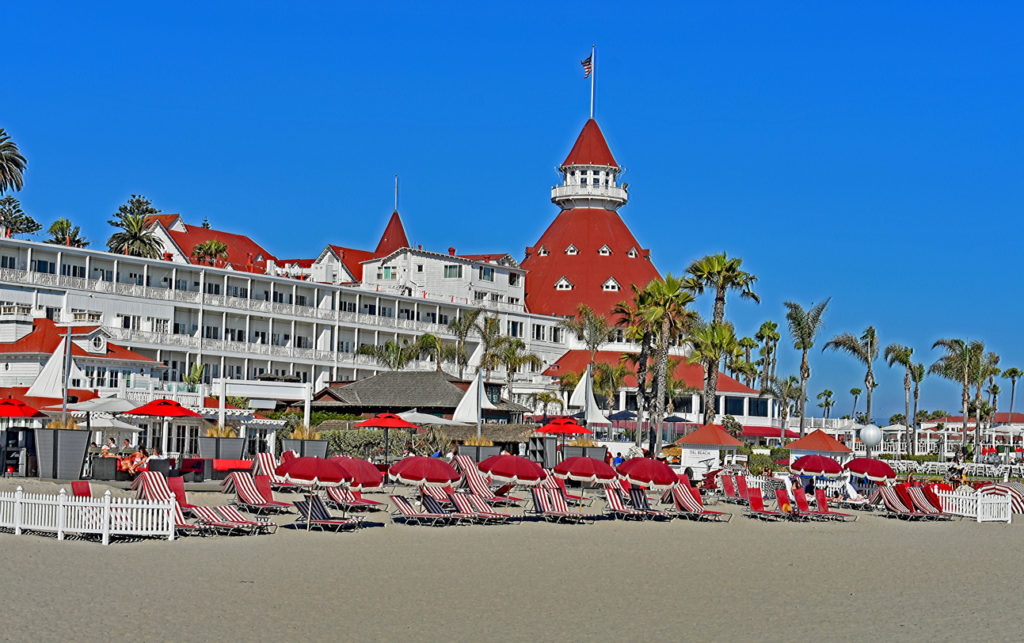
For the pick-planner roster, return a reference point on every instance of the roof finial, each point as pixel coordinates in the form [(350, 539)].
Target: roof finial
[(593, 75), (396, 193)]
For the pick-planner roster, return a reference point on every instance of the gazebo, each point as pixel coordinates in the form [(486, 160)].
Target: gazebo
[(819, 443), (700, 449)]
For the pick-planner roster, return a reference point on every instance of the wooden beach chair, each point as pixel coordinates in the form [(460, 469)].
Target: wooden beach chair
[(313, 512), (618, 509), (756, 507)]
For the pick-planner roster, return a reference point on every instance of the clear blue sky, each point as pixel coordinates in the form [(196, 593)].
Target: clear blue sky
[(868, 152)]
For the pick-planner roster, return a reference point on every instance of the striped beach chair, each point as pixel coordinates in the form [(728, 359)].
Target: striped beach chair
[(618, 509), (207, 516), (482, 507), (472, 478), (638, 498), (405, 513), (688, 505), (544, 508), (432, 505), (265, 465), (348, 500), (895, 508), (248, 497), (185, 528), (922, 504), (487, 517), (232, 514), (314, 515)]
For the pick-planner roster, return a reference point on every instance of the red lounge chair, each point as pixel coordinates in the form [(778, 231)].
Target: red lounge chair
[(617, 508), (802, 507), (313, 512), (638, 498), (922, 503), (782, 499), (176, 485), (823, 510), (728, 490), (248, 497), (265, 465), (231, 514), (263, 486), (896, 509), (81, 489), (211, 519), (757, 509), (406, 514), (688, 505), (742, 492), (544, 507), (466, 508)]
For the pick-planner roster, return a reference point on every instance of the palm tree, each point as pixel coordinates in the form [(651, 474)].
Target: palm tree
[(803, 326), (630, 316), (461, 327), (855, 392), (984, 369), (590, 328), (567, 383), (917, 373), (391, 354), (748, 344), (428, 345), (12, 164), (666, 312), (710, 342), (489, 330), (210, 252), (63, 233), (1012, 374), (608, 379), (955, 365), (135, 239), (784, 392), (864, 349), (546, 399), (769, 334), (902, 355), (194, 376), (512, 354), (826, 401)]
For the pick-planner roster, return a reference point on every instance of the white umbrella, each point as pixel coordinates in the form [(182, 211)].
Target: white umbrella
[(104, 423), (98, 405), (426, 419)]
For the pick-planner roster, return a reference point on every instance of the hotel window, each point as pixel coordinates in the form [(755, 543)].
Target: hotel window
[(159, 325), (514, 279), (212, 288), (632, 253), (538, 332), (453, 272), (41, 265), (556, 335), (387, 273), (563, 284), (8, 262), (758, 407), (479, 296), (571, 250), (486, 274), (419, 267), (442, 319), (513, 300), (610, 286), (604, 251), (71, 270), (543, 252), (514, 328), (734, 406)]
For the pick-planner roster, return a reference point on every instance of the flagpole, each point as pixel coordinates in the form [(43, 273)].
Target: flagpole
[(593, 74)]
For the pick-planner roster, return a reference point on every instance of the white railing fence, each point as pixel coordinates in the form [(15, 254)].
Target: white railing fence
[(994, 506), (104, 516)]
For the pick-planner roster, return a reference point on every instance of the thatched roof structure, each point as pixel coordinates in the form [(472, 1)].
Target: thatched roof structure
[(492, 432)]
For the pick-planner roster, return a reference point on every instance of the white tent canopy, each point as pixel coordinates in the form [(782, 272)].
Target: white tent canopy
[(50, 381), (466, 411), (98, 405), (426, 419), (583, 398)]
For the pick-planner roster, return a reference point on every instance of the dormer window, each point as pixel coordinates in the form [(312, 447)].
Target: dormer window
[(632, 253), (563, 284), (610, 286), (542, 252), (571, 250), (604, 251)]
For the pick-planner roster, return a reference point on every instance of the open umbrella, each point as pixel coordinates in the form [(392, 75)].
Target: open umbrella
[(583, 469), (816, 465), (563, 426), (874, 470), (164, 409), (386, 421), (313, 472), (12, 408), (364, 474), (419, 470), (512, 468), (648, 472)]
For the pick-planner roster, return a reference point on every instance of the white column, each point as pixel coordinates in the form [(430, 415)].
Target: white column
[(164, 437)]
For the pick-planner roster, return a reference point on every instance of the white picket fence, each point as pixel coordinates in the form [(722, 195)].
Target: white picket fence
[(990, 507), (104, 516)]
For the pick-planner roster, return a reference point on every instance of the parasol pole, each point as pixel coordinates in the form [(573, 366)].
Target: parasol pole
[(479, 408)]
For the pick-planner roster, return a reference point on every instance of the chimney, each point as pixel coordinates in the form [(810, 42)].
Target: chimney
[(451, 251)]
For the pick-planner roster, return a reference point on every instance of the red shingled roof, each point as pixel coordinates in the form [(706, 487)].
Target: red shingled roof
[(590, 148), (998, 418), (575, 361), (45, 337), (818, 441), (165, 219), (587, 230), (244, 254), (352, 259), (712, 435), (393, 237), (18, 393)]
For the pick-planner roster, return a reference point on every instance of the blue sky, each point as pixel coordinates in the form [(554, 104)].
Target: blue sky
[(867, 152)]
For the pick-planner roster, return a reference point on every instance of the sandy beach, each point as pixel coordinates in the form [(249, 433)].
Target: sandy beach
[(608, 581)]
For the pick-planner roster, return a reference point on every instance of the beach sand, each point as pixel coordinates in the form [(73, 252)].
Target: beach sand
[(873, 579)]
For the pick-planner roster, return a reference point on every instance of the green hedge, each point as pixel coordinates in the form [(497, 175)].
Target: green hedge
[(931, 457), (364, 443)]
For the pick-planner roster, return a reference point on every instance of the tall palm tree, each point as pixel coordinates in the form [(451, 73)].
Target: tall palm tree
[(748, 344), (590, 328), (917, 374), (803, 327), (134, 239), (956, 365), (1012, 374), (902, 355), (489, 330), (768, 333), (462, 326), (855, 392), (629, 315), (826, 401), (392, 355), (512, 354), (546, 399), (210, 251), (608, 379), (864, 349), (985, 367), (12, 164), (567, 383), (710, 342), (428, 345), (62, 232), (784, 392), (666, 311)]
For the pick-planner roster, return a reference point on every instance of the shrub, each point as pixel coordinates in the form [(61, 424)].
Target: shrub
[(757, 462), (363, 443)]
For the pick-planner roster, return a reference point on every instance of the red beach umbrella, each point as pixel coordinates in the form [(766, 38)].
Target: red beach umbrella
[(12, 408), (648, 472), (364, 474), (420, 470), (164, 408), (874, 470), (582, 469), (816, 465), (314, 472), (385, 421), (563, 426), (512, 468)]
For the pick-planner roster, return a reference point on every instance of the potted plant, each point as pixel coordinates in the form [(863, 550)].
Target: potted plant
[(306, 442), (221, 443), (60, 450)]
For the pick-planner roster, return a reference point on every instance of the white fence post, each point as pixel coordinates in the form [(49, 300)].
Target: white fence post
[(170, 517), (62, 499), (17, 511), (106, 518)]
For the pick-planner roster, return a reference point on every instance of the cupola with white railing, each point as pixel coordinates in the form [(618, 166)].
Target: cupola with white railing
[(590, 174)]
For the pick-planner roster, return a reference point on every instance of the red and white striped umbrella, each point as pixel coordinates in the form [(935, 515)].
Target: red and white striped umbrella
[(582, 469), (874, 470), (816, 465)]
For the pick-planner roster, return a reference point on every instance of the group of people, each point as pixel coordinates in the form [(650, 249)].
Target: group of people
[(138, 457)]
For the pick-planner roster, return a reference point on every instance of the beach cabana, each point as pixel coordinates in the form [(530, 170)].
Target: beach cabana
[(819, 443), (700, 449)]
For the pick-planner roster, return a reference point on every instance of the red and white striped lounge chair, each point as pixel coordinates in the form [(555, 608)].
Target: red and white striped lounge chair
[(894, 507), (232, 514), (688, 505), (466, 508), (263, 486), (572, 498), (176, 485), (265, 465), (405, 513), (151, 485), (348, 500), (248, 497), (482, 507), (822, 506), (432, 505), (478, 484), (638, 498), (545, 509), (185, 528), (618, 509), (207, 516), (924, 505), (440, 494), (81, 489), (313, 512), (757, 510)]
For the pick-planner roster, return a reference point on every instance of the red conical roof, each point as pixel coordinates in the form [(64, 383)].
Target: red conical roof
[(587, 230), (393, 237), (590, 148)]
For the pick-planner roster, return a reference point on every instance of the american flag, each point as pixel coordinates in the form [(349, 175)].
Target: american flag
[(588, 65)]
